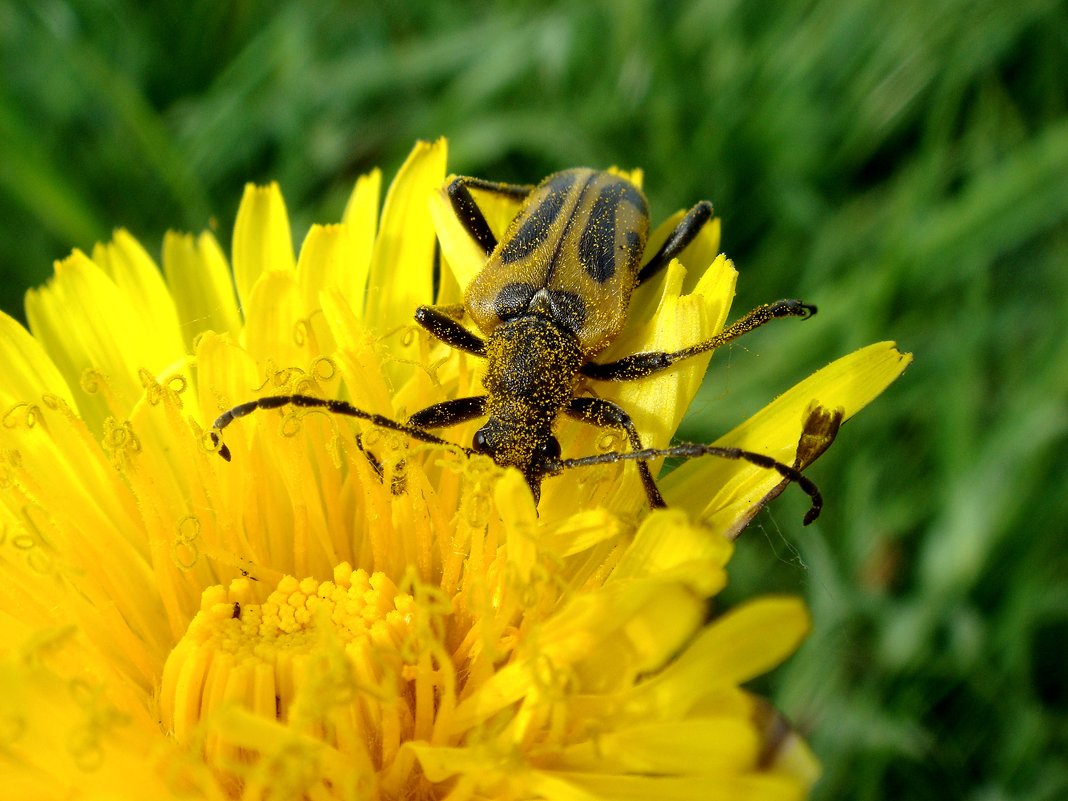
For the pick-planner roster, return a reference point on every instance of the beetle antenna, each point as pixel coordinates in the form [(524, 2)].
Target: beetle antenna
[(341, 407), (690, 450)]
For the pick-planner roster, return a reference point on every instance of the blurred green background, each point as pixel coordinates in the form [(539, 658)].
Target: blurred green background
[(904, 166)]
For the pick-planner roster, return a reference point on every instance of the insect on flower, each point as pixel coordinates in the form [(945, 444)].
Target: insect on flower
[(555, 292)]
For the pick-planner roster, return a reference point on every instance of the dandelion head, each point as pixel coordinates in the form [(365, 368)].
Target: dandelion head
[(343, 611)]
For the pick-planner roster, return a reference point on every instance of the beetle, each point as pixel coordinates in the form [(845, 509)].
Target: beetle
[(553, 293)]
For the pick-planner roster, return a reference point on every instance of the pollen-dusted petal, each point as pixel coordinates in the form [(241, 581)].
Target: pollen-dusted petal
[(139, 279), (721, 491), (402, 265), (200, 281), (262, 239)]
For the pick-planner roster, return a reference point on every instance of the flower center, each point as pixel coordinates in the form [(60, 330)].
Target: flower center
[(339, 664)]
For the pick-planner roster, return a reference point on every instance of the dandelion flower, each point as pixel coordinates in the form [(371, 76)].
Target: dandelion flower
[(340, 612)]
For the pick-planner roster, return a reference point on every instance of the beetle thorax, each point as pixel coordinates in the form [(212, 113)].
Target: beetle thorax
[(532, 369)]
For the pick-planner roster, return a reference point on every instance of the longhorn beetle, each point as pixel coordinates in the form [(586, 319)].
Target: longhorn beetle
[(554, 292)]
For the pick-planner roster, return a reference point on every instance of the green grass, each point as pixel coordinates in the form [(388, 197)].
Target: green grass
[(904, 166)]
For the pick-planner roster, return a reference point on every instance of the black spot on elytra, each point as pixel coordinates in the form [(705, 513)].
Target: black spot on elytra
[(598, 239), (535, 227), (568, 309), (513, 300)]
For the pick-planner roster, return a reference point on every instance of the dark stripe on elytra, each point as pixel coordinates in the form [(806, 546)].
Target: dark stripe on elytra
[(535, 227), (596, 245), (630, 194), (513, 300)]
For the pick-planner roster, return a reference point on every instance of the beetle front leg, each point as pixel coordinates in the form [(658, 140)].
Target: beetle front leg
[(470, 215), (449, 413), (605, 414), (443, 322), (640, 365)]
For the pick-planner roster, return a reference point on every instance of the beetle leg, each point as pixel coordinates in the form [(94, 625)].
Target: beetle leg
[(340, 407), (441, 322), (449, 413), (641, 365), (468, 212), (685, 232), (514, 191), (605, 414)]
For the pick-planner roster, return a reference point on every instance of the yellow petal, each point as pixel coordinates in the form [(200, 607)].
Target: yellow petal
[(696, 746), (361, 219), (86, 323), (275, 330), (139, 279), (402, 265), (741, 644), (357, 355), (721, 491), (28, 371), (583, 787), (702, 251), (200, 280), (63, 739), (326, 260), (262, 239), (667, 544)]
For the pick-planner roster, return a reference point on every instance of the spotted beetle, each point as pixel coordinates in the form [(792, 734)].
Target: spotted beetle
[(554, 292)]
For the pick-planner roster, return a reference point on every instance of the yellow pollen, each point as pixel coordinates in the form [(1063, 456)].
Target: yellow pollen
[(335, 660)]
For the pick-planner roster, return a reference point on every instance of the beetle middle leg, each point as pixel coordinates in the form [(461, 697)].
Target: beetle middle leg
[(605, 414)]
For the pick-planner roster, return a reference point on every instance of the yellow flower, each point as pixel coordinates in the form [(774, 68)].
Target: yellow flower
[(329, 616)]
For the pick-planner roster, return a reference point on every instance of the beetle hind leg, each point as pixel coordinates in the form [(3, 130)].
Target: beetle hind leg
[(685, 233)]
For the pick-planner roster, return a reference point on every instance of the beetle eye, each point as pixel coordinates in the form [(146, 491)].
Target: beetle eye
[(479, 443), (549, 448)]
